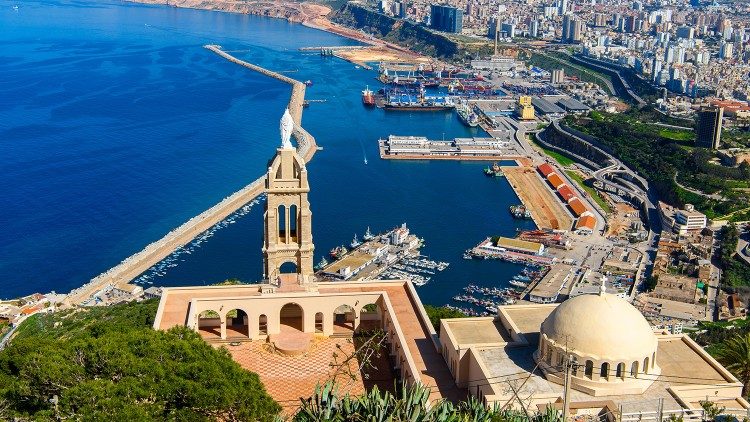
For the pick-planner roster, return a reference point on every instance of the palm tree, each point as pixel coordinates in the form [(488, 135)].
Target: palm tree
[(734, 354)]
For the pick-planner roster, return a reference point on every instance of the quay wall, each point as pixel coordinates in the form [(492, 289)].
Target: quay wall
[(136, 264)]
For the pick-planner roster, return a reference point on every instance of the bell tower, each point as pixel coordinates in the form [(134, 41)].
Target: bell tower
[(288, 246)]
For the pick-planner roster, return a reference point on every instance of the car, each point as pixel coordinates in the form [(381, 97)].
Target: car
[(235, 343)]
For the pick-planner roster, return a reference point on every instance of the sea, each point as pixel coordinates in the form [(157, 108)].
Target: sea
[(116, 126)]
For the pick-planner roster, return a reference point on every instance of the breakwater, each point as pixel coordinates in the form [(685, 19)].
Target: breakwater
[(130, 268)]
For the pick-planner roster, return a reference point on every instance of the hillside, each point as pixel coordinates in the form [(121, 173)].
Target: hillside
[(413, 36), (108, 363)]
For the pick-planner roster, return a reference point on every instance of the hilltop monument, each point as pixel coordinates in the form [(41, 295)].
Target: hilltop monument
[(288, 247)]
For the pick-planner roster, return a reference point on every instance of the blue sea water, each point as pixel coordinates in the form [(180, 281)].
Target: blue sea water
[(117, 126)]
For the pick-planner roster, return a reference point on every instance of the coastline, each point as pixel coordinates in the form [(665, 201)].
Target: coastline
[(130, 268), (314, 16)]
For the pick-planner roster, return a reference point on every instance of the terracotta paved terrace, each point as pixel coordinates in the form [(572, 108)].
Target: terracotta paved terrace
[(433, 370), (289, 378)]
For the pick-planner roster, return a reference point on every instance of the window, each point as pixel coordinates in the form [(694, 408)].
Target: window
[(589, 371), (604, 372), (282, 223), (263, 325)]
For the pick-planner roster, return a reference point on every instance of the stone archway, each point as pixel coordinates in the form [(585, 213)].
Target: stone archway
[(292, 317), (343, 319), (209, 324), (238, 324)]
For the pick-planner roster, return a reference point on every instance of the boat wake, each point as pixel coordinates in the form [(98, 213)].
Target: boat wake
[(173, 260)]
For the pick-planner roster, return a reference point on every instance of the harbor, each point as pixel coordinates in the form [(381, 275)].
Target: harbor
[(393, 255)]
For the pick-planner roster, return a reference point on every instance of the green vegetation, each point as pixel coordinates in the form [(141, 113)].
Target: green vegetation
[(409, 404), (411, 35), (734, 354), (593, 193), (436, 313), (554, 60), (661, 154), (104, 363), (678, 135), (734, 271), (561, 159)]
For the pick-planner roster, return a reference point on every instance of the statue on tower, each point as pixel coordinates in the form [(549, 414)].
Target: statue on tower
[(286, 126)]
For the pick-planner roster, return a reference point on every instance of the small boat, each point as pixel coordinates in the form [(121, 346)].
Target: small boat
[(355, 242), (518, 284), (308, 82), (494, 171), (365, 160), (322, 264), (338, 252), (368, 234), (305, 103)]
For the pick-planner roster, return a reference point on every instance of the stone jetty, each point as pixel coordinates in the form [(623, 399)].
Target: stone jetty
[(133, 266)]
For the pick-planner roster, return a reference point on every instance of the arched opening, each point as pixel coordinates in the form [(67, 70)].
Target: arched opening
[(291, 317), (574, 367), (343, 319), (288, 267), (237, 324), (548, 356), (634, 369), (645, 366), (282, 223), (621, 370), (604, 372), (263, 325), (293, 218), (589, 369), (319, 322), (209, 324), (370, 317)]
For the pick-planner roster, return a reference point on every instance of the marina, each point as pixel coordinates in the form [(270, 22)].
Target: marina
[(391, 255)]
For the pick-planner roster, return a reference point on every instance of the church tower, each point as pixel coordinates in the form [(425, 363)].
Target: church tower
[(288, 246)]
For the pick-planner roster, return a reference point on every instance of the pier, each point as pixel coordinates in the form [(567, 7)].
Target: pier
[(421, 148), (130, 268)]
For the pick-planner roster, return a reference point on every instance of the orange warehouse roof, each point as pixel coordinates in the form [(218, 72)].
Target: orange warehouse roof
[(555, 180), (587, 221), (546, 169), (566, 192), (577, 206)]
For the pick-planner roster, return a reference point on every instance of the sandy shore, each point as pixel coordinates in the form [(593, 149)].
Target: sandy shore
[(311, 15)]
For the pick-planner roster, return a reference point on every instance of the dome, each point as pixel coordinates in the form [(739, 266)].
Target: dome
[(600, 326)]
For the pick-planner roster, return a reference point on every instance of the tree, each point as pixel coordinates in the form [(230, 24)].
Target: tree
[(105, 363), (436, 313), (734, 354)]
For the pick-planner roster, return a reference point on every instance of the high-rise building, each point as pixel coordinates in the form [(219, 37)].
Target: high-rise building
[(562, 7), (558, 76), (572, 29), (446, 18), (534, 29), (726, 50), (600, 19), (508, 30), (566, 27), (709, 127), (685, 32)]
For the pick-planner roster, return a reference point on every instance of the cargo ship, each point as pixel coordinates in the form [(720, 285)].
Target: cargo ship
[(466, 116), (494, 171), (520, 211), (368, 98)]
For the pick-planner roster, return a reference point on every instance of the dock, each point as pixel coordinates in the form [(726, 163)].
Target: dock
[(420, 148), (546, 210)]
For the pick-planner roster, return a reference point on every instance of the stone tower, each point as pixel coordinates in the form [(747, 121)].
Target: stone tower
[(288, 246)]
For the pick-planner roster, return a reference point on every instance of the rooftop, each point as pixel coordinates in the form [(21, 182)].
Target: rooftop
[(478, 331)]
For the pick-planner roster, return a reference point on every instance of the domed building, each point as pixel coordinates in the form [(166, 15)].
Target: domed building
[(610, 343)]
